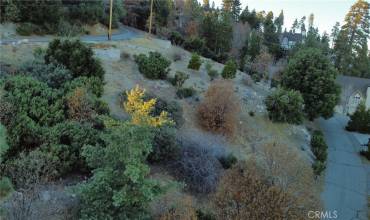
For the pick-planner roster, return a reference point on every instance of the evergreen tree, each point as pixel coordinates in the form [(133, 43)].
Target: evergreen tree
[(295, 26), (279, 22), (271, 37), (352, 38), (302, 24), (334, 33), (236, 9), (311, 73), (217, 31), (250, 17)]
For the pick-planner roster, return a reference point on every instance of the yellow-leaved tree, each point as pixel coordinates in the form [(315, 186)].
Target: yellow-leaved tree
[(140, 110)]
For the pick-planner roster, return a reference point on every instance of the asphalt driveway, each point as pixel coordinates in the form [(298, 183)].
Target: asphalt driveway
[(346, 178)]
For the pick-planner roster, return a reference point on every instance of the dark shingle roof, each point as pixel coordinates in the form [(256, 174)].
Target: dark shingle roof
[(297, 37), (353, 83)]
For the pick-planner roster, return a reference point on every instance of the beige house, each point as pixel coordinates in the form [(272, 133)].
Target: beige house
[(354, 91)]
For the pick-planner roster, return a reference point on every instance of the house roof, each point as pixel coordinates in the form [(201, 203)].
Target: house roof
[(352, 84), (297, 37)]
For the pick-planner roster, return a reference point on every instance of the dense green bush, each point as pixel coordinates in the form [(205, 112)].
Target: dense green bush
[(93, 85), (228, 161), (195, 62), (75, 56), (6, 187), (176, 38), (154, 66), (173, 109), (212, 73), (179, 79), (28, 169), (54, 75), (185, 92), (229, 70), (35, 105), (285, 106), (34, 99), (27, 29), (318, 167), (319, 90), (319, 149), (66, 29), (119, 188), (194, 44), (165, 146), (360, 120), (65, 141)]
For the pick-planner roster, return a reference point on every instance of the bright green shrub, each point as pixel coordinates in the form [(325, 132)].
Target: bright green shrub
[(75, 56), (154, 66), (119, 188), (92, 84), (179, 79), (320, 92), (319, 149), (194, 62), (185, 92), (285, 106), (194, 44), (229, 70), (6, 187), (54, 75), (318, 167), (65, 141), (176, 38), (360, 120), (165, 146), (34, 99)]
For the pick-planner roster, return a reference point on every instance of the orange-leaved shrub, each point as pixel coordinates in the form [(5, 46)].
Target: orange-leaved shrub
[(218, 112), (244, 194)]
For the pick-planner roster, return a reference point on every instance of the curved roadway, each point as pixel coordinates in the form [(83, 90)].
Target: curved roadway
[(123, 33), (346, 179)]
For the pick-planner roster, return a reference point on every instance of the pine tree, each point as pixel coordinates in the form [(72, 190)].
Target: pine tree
[(352, 38), (295, 25), (271, 38), (279, 22), (302, 24), (236, 9), (334, 33)]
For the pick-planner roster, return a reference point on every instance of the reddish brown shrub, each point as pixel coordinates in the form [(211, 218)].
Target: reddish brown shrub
[(219, 110), (79, 106), (191, 29), (243, 194)]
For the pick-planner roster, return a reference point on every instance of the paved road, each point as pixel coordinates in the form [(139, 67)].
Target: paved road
[(123, 33), (346, 179)]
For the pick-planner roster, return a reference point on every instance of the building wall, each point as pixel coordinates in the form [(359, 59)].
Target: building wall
[(353, 101)]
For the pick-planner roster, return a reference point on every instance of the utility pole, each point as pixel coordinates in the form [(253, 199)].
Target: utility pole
[(110, 20), (151, 16)]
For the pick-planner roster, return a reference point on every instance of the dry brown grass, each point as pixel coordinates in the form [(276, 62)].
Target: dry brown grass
[(219, 110)]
